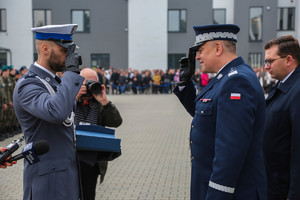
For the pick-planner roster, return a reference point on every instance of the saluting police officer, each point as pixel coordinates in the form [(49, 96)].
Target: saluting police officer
[(228, 119), (44, 105)]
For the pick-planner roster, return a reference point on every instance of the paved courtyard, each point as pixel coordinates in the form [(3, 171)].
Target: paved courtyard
[(154, 164)]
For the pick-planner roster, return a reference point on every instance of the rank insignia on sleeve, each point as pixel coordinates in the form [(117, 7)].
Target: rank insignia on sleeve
[(236, 96)]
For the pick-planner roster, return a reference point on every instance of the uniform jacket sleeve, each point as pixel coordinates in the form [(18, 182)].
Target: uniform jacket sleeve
[(187, 97), (36, 100), (234, 130)]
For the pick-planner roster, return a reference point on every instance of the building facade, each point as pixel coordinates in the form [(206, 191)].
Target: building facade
[(148, 34), (15, 36)]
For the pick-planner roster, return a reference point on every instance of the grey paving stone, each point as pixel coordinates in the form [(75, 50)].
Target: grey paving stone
[(154, 164)]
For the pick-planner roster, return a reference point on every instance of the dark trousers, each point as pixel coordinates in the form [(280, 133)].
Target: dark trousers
[(89, 176)]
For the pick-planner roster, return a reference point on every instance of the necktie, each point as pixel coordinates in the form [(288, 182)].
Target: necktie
[(58, 79)]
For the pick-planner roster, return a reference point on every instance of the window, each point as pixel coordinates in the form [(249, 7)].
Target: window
[(101, 60), (219, 16), (3, 59), (177, 20), (255, 25), (173, 60), (82, 19), (3, 20), (41, 18), (255, 60), (286, 19)]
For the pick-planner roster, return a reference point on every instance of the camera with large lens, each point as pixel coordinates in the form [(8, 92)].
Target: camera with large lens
[(92, 87)]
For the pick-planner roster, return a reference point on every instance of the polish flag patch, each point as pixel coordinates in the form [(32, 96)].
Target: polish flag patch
[(236, 96)]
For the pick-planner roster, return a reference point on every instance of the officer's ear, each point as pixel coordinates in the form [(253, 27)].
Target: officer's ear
[(218, 48), (46, 48)]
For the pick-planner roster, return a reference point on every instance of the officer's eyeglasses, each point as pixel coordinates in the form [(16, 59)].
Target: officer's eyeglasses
[(270, 61)]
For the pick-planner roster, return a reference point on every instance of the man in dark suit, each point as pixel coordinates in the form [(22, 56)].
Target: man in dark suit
[(228, 119), (282, 130), (45, 105)]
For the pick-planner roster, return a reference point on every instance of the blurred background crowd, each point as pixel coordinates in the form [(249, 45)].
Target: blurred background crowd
[(117, 82)]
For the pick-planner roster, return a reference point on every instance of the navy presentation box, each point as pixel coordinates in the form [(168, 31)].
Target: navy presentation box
[(96, 138)]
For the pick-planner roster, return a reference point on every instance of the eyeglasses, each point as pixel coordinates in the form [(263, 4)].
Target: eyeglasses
[(270, 61)]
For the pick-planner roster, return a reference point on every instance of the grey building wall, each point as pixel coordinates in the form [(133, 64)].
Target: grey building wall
[(108, 24), (242, 19), (199, 12)]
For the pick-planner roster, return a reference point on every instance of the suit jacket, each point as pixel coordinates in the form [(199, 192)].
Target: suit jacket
[(282, 139), (226, 135), (42, 117)]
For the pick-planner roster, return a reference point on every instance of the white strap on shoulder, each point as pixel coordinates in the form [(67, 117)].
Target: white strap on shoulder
[(48, 86)]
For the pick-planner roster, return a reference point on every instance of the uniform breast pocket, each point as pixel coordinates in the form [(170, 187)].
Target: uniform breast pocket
[(204, 109)]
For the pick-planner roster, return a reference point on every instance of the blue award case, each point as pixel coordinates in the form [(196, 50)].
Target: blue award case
[(97, 138)]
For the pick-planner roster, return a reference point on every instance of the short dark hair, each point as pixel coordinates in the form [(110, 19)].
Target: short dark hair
[(230, 45), (287, 45)]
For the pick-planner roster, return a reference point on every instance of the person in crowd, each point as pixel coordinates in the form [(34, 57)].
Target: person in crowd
[(176, 77), (8, 110), (156, 81), (167, 81), (122, 82), (204, 79), (114, 81), (45, 106), (23, 70), (146, 82), (228, 119), (136, 81), (282, 130), (196, 78), (14, 127), (94, 109), (18, 75)]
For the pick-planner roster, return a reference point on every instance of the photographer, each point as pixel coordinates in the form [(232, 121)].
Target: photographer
[(93, 107)]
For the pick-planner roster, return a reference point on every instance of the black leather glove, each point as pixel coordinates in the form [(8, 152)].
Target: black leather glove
[(187, 68), (73, 60)]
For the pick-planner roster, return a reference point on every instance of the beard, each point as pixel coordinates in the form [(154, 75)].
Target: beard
[(55, 63)]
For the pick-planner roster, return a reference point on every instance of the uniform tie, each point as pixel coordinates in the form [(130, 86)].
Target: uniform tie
[(58, 79)]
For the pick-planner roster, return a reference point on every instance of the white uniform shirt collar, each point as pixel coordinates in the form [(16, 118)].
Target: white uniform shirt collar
[(43, 68), (223, 67), (287, 77)]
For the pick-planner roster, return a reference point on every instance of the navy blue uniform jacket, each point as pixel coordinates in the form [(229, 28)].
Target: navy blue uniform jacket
[(226, 135), (42, 117), (282, 139)]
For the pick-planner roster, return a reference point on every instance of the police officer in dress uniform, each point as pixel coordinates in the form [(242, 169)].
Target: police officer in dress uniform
[(44, 105), (282, 130), (228, 119)]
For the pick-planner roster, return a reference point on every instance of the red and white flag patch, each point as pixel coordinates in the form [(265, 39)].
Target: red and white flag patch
[(236, 96)]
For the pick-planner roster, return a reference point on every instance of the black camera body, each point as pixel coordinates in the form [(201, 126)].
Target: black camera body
[(92, 87)]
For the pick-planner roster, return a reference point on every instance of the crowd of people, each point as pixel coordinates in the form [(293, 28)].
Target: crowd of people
[(117, 81), (146, 81), (157, 81), (9, 125)]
